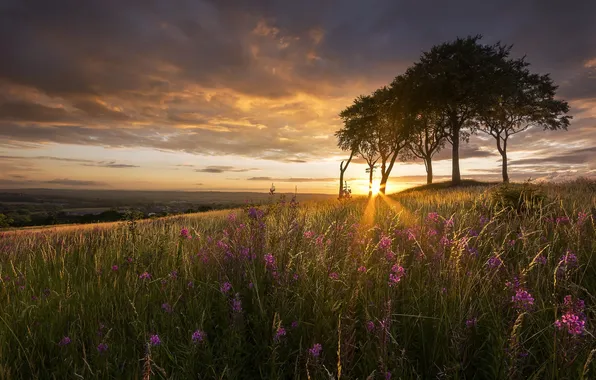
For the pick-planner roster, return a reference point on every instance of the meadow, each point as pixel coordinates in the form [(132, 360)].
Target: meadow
[(462, 283)]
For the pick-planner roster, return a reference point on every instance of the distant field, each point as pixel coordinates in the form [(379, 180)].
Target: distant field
[(476, 282)]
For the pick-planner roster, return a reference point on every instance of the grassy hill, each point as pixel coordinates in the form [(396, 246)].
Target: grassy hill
[(433, 282)]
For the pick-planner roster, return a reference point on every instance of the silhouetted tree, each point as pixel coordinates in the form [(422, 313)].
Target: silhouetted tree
[(522, 100), (342, 170), (456, 79)]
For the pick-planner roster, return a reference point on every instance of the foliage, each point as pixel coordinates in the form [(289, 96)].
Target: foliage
[(424, 284), (524, 197), (5, 221)]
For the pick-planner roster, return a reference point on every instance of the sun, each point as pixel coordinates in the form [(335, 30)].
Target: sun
[(376, 187)]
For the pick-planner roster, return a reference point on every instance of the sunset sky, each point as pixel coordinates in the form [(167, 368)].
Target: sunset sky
[(234, 95)]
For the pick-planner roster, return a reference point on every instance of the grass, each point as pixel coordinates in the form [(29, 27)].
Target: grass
[(385, 286)]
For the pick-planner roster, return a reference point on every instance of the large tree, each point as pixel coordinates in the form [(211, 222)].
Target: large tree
[(456, 79), (521, 100)]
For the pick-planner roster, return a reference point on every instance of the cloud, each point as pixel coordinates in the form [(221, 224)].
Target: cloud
[(223, 169), (73, 182), (83, 162), (329, 179), (136, 74), (571, 157)]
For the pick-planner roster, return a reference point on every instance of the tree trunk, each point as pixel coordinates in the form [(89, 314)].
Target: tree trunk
[(370, 180), (455, 174), (383, 184), (342, 170), (341, 180), (429, 170), (504, 167)]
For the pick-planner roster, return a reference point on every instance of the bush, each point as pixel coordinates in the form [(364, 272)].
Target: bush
[(518, 197)]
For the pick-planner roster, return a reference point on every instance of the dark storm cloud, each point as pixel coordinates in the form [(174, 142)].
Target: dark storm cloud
[(222, 169), (133, 73)]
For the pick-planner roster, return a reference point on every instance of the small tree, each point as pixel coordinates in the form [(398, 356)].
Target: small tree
[(5, 221), (522, 100), (342, 170)]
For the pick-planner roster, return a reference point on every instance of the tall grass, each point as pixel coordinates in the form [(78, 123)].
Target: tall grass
[(426, 284)]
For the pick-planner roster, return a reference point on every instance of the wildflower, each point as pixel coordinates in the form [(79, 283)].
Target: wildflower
[(511, 242), (387, 375), (362, 269), (129, 260), (145, 276), (102, 347), (522, 300), (34, 298), (251, 285), (154, 340), (174, 274), (167, 308), (225, 287), (385, 243), (445, 241), (46, 292), (309, 234), (470, 323), (198, 336), (472, 233), (449, 222), (334, 276), (562, 220), (280, 333), (569, 259), (114, 268), (541, 260), (315, 350), (573, 319), (494, 262), (294, 324), (64, 341), (433, 217), (574, 324), (397, 272), (184, 234), (255, 213), (295, 276), (237, 304), (270, 262), (190, 284), (370, 326)]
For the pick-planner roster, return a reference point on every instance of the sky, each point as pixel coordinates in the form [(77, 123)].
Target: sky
[(236, 95)]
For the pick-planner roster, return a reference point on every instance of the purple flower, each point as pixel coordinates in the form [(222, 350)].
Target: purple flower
[(102, 347), (270, 262), (145, 276), (185, 234), (494, 262), (167, 308), (470, 323), (522, 300), (582, 217), (572, 322), (64, 341), (294, 324), (115, 268), (541, 260), (225, 287), (334, 276), (397, 272), (387, 375), (315, 350), (433, 217), (237, 304), (198, 336), (279, 334), (385, 243), (154, 340), (370, 326), (362, 269), (174, 274)]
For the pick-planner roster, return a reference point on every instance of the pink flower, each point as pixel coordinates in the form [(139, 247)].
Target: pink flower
[(362, 269), (334, 276), (145, 276), (114, 268), (315, 350)]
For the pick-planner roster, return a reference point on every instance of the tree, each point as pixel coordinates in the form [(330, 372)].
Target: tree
[(427, 139), (456, 79), (522, 100), (5, 221), (392, 131), (342, 170)]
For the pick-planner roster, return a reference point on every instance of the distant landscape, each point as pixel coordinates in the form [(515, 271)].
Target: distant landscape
[(38, 207)]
